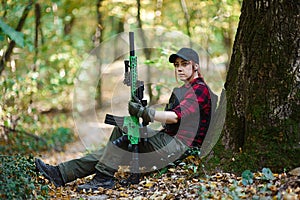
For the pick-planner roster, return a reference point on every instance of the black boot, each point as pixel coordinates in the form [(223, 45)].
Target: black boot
[(99, 180), (50, 172)]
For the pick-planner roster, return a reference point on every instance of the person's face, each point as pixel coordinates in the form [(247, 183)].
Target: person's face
[(184, 69)]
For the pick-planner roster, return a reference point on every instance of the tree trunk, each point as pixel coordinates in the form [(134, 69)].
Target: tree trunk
[(147, 51), (186, 16), (97, 40), (262, 123)]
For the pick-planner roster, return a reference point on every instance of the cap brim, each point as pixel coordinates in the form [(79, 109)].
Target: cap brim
[(173, 57)]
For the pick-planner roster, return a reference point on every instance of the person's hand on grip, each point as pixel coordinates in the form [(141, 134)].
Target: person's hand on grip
[(136, 109)]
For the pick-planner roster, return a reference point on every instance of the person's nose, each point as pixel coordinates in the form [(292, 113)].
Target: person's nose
[(179, 68)]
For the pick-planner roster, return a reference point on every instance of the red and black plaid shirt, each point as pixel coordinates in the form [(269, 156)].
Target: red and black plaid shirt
[(192, 104)]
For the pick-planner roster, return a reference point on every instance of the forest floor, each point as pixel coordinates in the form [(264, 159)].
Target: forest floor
[(178, 182)]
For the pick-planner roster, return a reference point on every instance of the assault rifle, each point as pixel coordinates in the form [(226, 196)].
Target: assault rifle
[(133, 131)]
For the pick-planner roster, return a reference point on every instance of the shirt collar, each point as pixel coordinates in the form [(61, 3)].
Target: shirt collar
[(194, 81)]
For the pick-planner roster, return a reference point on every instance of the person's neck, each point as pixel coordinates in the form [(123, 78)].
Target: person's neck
[(188, 81)]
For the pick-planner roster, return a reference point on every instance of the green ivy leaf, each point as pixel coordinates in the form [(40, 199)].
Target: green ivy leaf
[(267, 174), (163, 171), (16, 36), (247, 176)]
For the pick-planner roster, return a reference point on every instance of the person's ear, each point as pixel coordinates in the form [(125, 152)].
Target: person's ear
[(196, 66)]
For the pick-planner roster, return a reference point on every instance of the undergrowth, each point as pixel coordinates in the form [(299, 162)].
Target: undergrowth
[(18, 176), (19, 180)]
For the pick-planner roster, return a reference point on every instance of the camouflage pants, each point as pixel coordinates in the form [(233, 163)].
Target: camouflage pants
[(159, 150)]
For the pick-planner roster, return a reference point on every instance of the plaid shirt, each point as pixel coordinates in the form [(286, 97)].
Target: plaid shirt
[(192, 104)]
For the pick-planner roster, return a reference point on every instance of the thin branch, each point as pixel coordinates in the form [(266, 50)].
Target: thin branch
[(37, 11), (28, 134), (12, 44), (186, 16), (4, 3)]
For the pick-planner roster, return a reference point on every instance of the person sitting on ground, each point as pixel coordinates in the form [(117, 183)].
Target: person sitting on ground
[(186, 120)]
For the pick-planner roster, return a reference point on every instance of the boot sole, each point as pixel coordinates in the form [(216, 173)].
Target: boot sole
[(106, 186)]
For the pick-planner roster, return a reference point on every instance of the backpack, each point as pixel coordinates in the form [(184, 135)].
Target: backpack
[(214, 104), (218, 114)]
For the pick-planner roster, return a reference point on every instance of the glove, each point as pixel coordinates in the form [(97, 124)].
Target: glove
[(136, 109)]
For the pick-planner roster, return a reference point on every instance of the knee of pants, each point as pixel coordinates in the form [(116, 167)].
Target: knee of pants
[(116, 133)]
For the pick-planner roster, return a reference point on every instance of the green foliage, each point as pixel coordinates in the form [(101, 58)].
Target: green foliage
[(18, 37), (23, 127), (24, 143), (274, 157), (36, 79), (18, 179), (58, 138), (247, 176), (267, 174)]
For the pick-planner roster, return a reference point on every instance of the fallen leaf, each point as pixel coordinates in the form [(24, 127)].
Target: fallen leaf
[(295, 172)]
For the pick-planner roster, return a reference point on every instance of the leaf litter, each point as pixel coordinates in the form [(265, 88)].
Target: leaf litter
[(184, 181)]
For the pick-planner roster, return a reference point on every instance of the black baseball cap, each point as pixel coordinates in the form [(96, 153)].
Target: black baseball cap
[(186, 54)]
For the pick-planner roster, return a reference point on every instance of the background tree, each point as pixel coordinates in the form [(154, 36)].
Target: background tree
[(263, 122), (98, 38)]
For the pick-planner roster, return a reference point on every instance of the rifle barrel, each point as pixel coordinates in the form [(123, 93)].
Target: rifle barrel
[(131, 43)]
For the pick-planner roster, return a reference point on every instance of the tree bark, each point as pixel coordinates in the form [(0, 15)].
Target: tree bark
[(263, 122)]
